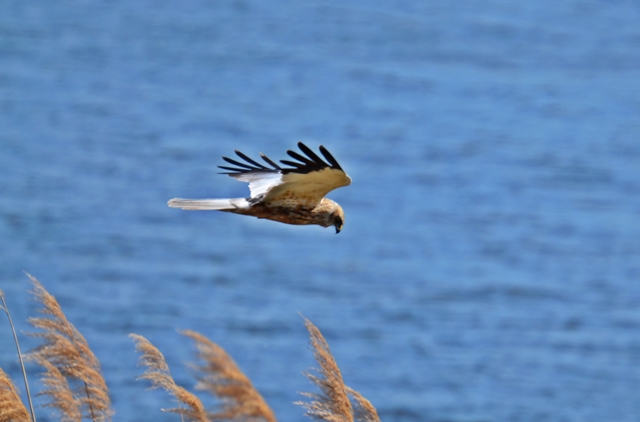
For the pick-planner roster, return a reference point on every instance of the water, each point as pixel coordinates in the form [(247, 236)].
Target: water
[(488, 269)]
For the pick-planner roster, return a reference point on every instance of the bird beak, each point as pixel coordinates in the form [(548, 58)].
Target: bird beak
[(338, 228)]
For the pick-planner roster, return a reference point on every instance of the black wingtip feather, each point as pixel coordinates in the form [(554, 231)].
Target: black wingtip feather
[(330, 159), (237, 163), (301, 158), (250, 161), (312, 162), (232, 169), (270, 162), (305, 149), (292, 164)]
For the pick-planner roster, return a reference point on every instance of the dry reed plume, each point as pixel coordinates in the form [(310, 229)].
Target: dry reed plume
[(158, 373), (333, 404), (220, 375), (73, 380), (76, 390), (363, 410), (61, 397), (11, 407)]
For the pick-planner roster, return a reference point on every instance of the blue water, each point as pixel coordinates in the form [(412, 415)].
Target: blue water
[(489, 267)]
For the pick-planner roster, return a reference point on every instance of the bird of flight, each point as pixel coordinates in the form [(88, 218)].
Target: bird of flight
[(293, 195)]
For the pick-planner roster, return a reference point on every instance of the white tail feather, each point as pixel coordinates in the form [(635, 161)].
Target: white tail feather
[(208, 204)]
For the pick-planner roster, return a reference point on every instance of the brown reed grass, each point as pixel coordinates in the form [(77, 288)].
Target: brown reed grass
[(218, 374), (76, 389), (61, 397), (332, 404), (158, 373), (11, 407), (73, 380), (363, 410)]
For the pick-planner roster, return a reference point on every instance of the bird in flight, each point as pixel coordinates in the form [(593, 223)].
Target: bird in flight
[(294, 194)]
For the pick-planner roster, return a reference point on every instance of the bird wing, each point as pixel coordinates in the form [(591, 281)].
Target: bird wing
[(304, 182)]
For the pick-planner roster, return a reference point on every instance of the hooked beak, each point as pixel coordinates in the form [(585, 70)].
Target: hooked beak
[(338, 228)]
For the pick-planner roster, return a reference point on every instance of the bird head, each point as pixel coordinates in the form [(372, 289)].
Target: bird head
[(337, 219)]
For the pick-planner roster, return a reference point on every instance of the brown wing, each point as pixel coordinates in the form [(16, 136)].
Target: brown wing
[(304, 182)]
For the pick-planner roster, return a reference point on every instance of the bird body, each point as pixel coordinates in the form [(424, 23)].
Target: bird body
[(291, 195)]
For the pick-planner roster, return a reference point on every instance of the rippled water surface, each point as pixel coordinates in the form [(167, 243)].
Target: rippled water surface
[(489, 267)]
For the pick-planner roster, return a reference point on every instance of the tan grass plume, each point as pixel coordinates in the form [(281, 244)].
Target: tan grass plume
[(11, 407), (73, 379), (158, 373), (363, 410), (61, 397), (332, 404), (218, 373)]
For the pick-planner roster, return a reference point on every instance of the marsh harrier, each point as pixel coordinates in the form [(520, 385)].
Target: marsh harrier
[(294, 194)]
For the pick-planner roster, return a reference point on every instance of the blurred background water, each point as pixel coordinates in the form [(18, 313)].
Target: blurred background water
[(489, 266)]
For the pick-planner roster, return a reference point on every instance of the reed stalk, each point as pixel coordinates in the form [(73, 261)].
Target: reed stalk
[(74, 383), (17, 343)]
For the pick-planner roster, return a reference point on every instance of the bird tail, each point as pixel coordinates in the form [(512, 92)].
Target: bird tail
[(229, 204)]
